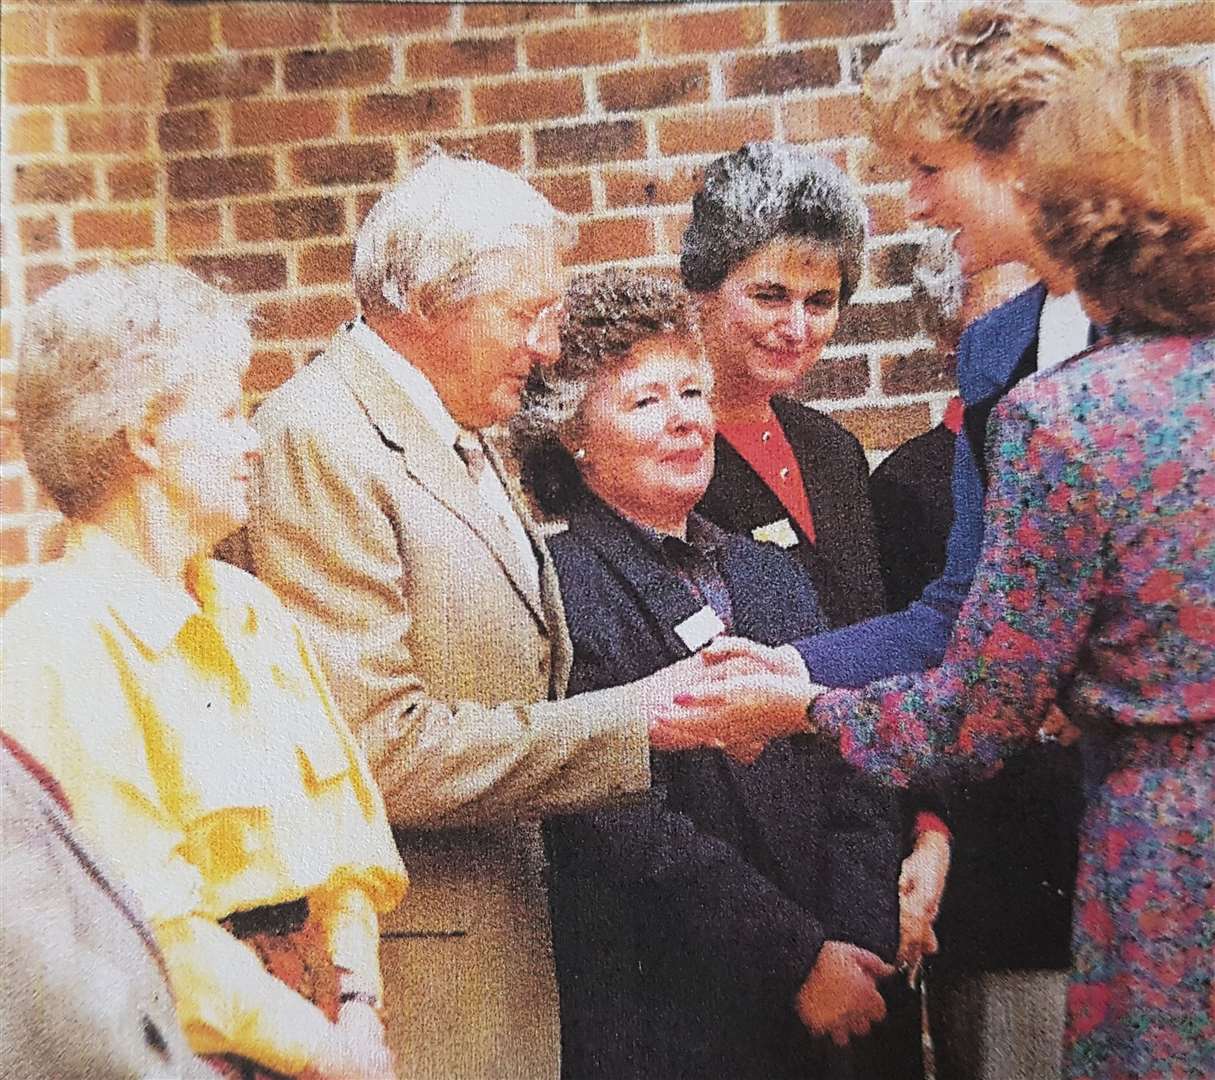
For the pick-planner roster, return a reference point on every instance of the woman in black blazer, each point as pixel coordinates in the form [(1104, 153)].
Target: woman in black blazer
[(740, 915)]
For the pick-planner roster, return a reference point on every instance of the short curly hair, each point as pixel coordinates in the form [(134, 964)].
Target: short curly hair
[(768, 191), (975, 74), (607, 313), (1122, 174)]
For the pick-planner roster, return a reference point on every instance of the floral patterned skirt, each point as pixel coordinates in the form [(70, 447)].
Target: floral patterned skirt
[(292, 949)]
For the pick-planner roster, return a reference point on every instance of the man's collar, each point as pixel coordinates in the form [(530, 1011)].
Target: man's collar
[(410, 380)]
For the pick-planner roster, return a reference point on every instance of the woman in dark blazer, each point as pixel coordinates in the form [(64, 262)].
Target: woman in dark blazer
[(739, 916)]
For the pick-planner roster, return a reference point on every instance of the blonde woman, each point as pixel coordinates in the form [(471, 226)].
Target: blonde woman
[(172, 696)]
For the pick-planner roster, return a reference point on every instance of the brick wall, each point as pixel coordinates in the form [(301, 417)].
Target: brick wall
[(247, 140)]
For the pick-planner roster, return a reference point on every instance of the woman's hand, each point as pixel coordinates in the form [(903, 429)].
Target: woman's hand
[(840, 998), (921, 886), (356, 1049), (740, 696)]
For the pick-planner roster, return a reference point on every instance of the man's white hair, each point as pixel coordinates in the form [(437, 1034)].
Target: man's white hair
[(100, 351), (430, 239)]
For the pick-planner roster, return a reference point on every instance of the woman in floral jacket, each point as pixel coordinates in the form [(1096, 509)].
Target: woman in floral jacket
[(1096, 587)]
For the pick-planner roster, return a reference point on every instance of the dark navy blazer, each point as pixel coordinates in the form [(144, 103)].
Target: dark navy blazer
[(683, 926), (1008, 900)]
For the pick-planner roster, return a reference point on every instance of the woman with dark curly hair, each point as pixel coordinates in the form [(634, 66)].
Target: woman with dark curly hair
[(718, 927), (1096, 586)]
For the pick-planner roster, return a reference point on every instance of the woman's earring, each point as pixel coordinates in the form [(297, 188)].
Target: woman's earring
[(580, 453)]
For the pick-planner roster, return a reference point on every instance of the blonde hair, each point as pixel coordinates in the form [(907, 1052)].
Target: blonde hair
[(430, 238), (976, 74), (1122, 174), (100, 351)]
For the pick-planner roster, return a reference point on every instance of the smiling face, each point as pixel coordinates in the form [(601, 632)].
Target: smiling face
[(966, 191), (490, 342), (766, 324), (646, 430)]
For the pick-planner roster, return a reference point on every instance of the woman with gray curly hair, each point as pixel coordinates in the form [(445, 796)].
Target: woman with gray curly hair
[(715, 929)]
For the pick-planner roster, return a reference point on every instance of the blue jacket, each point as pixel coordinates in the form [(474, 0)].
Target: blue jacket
[(684, 925)]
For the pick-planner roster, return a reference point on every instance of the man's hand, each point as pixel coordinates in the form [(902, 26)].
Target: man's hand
[(742, 695), (921, 886), (840, 998), (356, 1049)]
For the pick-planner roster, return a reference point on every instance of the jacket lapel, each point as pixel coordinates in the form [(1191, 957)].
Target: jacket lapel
[(432, 464)]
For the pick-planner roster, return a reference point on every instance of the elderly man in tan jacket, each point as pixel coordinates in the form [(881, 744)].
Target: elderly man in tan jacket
[(387, 523)]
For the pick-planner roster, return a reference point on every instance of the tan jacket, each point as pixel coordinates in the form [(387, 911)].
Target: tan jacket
[(448, 665), (83, 992)]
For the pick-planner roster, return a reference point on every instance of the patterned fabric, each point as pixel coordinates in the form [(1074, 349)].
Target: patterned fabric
[(1096, 588), (301, 960)]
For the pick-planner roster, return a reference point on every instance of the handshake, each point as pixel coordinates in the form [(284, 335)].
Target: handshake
[(734, 695)]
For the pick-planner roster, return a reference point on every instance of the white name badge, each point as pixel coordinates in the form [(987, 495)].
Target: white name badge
[(779, 533), (696, 631)]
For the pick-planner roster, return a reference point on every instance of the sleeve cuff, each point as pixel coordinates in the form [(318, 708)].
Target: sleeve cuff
[(927, 822)]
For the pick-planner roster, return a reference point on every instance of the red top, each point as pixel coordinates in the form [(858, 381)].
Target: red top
[(953, 415), (765, 447)]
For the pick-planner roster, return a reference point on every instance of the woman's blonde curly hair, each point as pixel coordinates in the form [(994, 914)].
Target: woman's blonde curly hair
[(1121, 172), (977, 73)]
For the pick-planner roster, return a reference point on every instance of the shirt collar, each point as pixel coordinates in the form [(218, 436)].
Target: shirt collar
[(413, 384), (703, 539)]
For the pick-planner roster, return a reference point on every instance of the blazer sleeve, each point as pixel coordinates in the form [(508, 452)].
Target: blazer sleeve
[(322, 538)]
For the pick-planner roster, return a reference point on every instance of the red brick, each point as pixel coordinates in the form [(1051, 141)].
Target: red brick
[(501, 148), (476, 15), (344, 163), (710, 31), (7, 378), (609, 239), (779, 72), (53, 541), (583, 46), (23, 33), (180, 32), (107, 132), (12, 495), (320, 263), (403, 114), (117, 229), (893, 264), (257, 123), (833, 117), (12, 590), (361, 21), (39, 234), (836, 380), (232, 77), (194, 228), (464, 56), (654, 87), (923, 372), (881, 164), (271, 26), (887, 213), (1185, 24), (290, 219), (52, 183), (711, 131), (190, 129), (269, 369), (671, 228), (307, 317), (330, 68), (95, 34), (585, 144), (666, 186), (885, 427), (528, 99), (132, 180), (43, 276), (14, 551), (570, 192), (44, 84), (10, 442), (128, 81), (220, 177), (31, 131), (813, 19), (241, 273), (860, 323)]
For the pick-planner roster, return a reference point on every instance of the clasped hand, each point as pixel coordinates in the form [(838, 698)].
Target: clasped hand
[(734, 695)]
